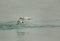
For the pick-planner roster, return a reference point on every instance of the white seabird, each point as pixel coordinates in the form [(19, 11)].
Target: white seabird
[(22, 19)]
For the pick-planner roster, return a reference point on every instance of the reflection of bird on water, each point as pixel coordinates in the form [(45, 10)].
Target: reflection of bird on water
[(22, 19)]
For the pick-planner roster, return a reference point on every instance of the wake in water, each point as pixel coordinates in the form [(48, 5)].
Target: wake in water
[(13, 25)]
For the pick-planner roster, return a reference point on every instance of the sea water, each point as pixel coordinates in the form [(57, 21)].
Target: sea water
[(9, 31), (44, 26)]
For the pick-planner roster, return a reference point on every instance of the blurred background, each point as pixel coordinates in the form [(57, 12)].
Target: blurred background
[(41, 11)]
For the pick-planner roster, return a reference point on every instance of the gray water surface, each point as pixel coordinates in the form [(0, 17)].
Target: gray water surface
[(44, 26)]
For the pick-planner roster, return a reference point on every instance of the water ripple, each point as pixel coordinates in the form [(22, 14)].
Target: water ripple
[(12, 25)]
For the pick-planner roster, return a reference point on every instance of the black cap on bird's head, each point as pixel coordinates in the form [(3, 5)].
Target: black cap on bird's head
[(21, 17)]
